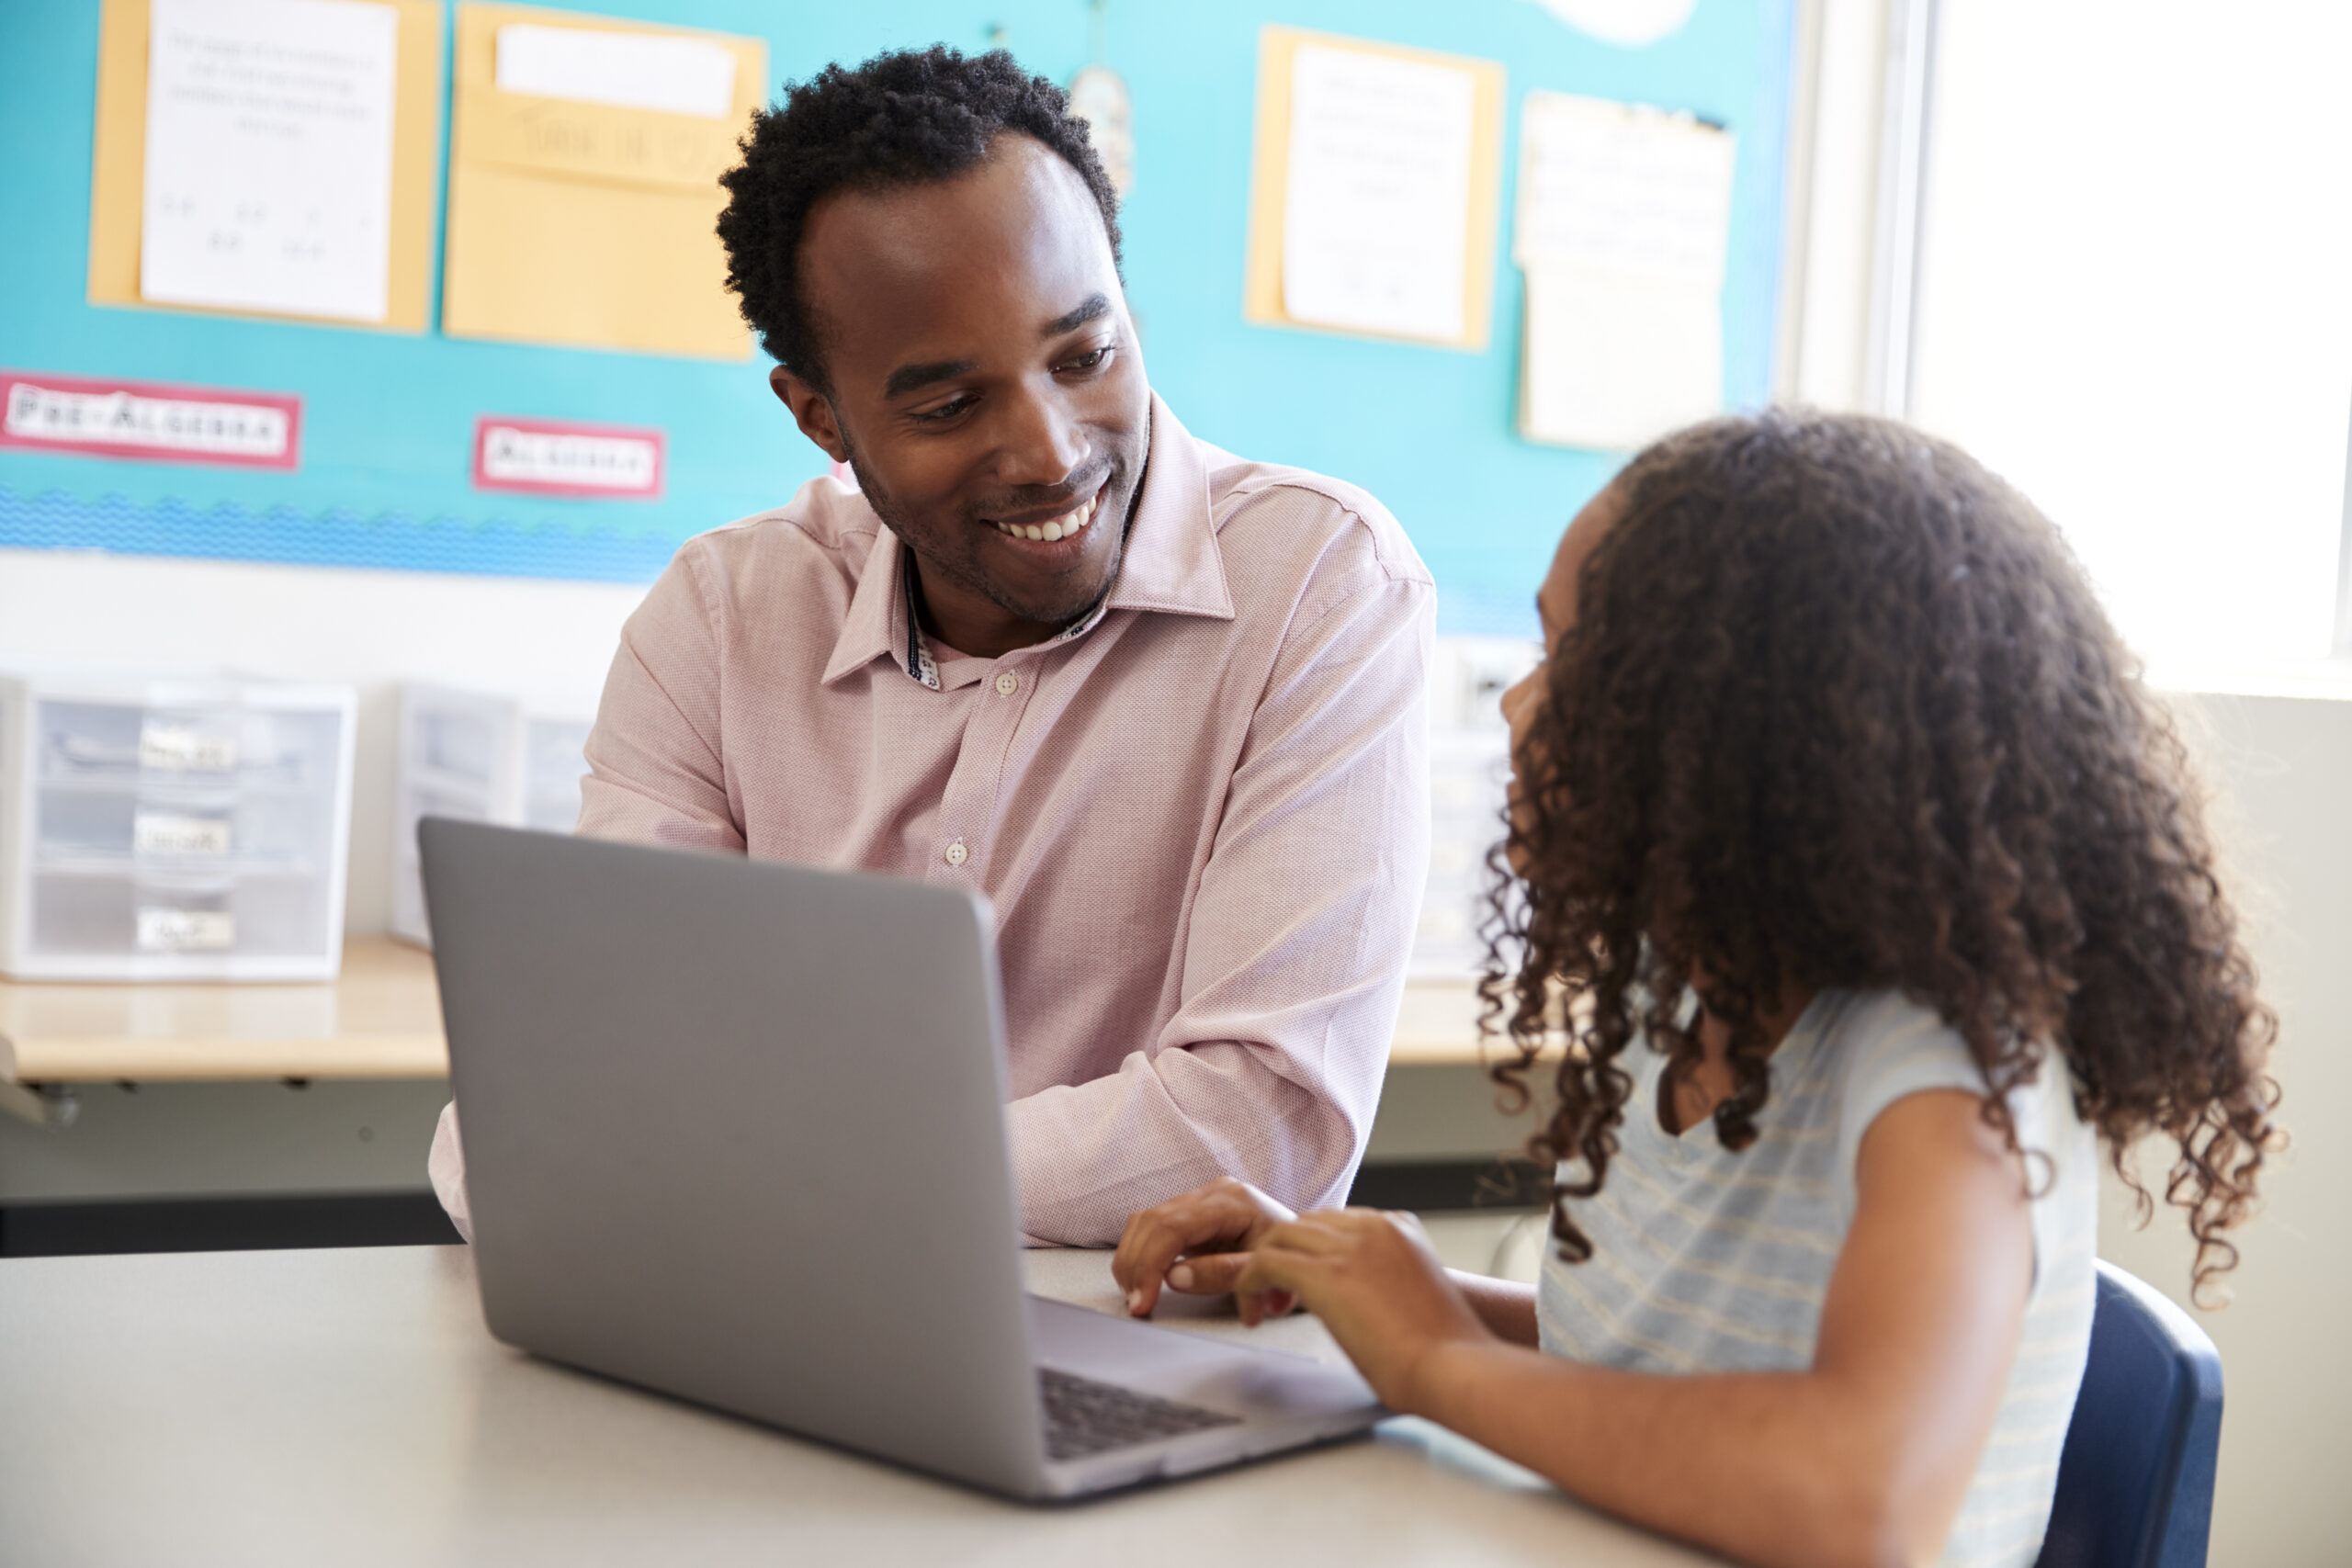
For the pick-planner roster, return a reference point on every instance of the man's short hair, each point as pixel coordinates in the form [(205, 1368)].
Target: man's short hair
[(902, 118)]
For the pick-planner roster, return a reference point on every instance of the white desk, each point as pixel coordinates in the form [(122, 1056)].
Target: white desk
[(346, 1407)]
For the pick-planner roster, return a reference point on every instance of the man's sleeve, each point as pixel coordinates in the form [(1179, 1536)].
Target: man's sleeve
[(654, 773), (446, 1167), (1294, 951)]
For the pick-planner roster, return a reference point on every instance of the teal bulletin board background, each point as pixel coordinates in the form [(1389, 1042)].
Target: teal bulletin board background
[(389, 419)]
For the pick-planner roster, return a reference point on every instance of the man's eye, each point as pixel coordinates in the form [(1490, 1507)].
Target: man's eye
[(945, 410), (1090, 360)]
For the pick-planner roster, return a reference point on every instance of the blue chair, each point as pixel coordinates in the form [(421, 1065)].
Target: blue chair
[(2135, 1481)]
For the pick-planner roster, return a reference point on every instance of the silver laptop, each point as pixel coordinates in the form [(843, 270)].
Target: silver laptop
[(734, 1131)]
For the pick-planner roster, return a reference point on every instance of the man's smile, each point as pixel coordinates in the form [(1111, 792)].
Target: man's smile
[(1052, 529)]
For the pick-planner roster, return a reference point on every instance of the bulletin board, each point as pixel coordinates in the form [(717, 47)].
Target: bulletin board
[(388, 418)]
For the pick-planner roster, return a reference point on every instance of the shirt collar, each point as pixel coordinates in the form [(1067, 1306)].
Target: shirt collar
[(877, 622), (1171, 564)]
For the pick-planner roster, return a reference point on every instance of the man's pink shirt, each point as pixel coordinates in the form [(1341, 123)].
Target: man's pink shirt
[(1202, 822)]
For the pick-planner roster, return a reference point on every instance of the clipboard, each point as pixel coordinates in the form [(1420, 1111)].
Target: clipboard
[(119, 159), (585, 224), (1261, 296)]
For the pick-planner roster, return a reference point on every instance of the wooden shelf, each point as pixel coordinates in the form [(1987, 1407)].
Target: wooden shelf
[(1437, 1025), (380, 1020)]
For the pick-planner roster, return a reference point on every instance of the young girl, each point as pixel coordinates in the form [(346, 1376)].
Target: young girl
[(1878, 893)]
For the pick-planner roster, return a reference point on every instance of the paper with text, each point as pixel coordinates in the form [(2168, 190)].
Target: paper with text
[(669, 75), (1377, 214), (1613, 361), (269, 156), (1624, 229)]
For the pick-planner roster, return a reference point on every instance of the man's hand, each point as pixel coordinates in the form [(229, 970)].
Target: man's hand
[(1197, 1244), (1376, 1283)]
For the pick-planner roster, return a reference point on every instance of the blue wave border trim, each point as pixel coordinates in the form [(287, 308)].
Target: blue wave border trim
[(393, 541), (55, 519)]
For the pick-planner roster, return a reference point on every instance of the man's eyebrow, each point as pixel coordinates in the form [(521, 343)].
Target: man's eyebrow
[(913, 377), (1096, 305)]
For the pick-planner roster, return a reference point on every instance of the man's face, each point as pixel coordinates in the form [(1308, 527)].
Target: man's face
[(985, 380)]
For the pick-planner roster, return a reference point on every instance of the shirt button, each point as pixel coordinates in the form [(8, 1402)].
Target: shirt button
[(1007, 682), (956, 853)]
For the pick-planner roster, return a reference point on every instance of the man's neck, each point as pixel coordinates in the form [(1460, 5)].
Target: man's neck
[(967, 623)]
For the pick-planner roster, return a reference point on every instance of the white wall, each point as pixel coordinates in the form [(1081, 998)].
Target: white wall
[(2284, 768), (369, 628)]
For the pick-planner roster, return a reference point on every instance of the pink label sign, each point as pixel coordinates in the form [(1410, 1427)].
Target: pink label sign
[(106, 417), (544, 456)]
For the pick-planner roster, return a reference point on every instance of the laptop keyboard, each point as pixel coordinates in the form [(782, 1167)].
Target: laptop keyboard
[(1084, 1416)]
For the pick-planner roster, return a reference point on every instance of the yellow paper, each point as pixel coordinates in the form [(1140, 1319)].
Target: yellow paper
[(119, 156), (587, 223), (1270, 180)]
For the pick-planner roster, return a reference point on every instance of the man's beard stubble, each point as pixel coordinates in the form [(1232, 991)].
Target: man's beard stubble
[(964, 571)]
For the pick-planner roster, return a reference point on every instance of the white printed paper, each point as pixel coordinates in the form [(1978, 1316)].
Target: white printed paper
[(1376, 211), (1623, 225), (269, 156), (1622, 185), (162, 929), (172, 833), (634, 70), (1615, 360)]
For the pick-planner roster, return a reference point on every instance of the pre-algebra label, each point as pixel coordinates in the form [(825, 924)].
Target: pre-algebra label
[(114, 418)]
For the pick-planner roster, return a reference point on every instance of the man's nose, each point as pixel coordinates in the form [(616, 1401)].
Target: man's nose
[(1041, 444)]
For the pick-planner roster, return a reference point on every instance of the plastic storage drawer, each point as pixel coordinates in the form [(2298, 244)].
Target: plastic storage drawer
[(1469, 781), (172, 828), (484, 758)]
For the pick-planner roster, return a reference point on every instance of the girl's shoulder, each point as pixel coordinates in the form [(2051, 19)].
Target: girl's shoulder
[(1878, 1048)]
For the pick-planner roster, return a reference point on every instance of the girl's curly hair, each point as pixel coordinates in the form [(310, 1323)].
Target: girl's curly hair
[(1837, 708)]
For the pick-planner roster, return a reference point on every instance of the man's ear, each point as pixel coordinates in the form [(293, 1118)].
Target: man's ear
[(812, 411)]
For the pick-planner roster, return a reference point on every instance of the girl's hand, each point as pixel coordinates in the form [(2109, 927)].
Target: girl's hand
[(1375, 1280), (1197, 1244)]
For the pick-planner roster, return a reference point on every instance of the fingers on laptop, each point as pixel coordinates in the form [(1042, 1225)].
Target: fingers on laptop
[(1372, 1279), (1199, 1232)]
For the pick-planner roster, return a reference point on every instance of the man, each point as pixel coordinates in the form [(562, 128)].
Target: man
[(1162, 706)]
